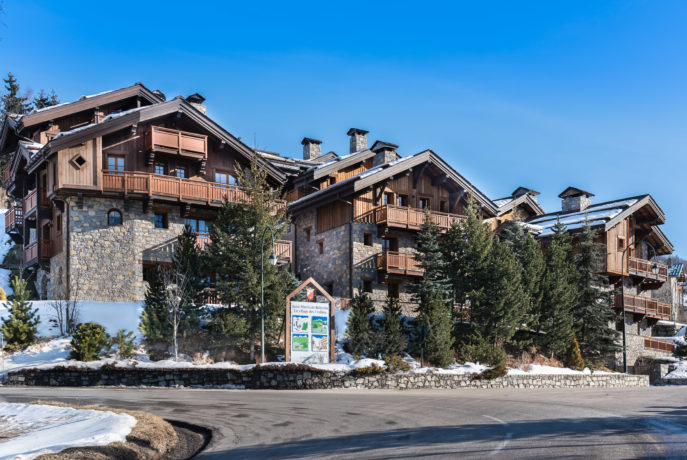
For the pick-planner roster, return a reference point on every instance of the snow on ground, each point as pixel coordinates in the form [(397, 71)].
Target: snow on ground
[(679, 373), (50, 354), (539, 369), (38, 429), (112, 315), (5, 246)]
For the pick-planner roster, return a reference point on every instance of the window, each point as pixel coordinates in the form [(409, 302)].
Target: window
[(402, 200), (160, 169), (392, 290), (114, 217), (320, 245), (115, 164), (224, 178), (367, 286), (182, 172), (388, 198), (367, 239), (621, 244), (160, 220), (198, 225), (78, 161), (443, 206), (424, 203), (307, 233), (390, 244), (58, 224)]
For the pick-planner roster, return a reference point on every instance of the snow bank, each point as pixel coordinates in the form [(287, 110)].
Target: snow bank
[(5, 246), (112, 315), (551, 370), (38, 429), (341, 324), (679, 373)]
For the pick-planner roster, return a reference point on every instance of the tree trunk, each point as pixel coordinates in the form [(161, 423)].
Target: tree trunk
[(252, 349)]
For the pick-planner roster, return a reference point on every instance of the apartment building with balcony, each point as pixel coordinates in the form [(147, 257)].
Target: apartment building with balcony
[(355, 217), (104, 185), (628, 230)]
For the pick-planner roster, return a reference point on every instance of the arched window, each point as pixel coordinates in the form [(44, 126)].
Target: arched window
[(114, 217)]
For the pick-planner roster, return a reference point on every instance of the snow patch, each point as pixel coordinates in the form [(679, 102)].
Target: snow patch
[(680, 372), (49, 429)]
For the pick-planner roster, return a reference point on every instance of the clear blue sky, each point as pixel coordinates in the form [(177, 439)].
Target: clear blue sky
[(541, 94)]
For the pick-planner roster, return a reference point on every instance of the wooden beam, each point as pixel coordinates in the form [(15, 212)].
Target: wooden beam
[(417, 173), (453, 198)]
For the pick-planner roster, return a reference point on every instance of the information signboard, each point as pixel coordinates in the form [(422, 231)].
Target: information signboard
[(310, 328)]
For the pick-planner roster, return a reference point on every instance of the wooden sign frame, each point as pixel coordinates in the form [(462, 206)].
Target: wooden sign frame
[(332, 328)]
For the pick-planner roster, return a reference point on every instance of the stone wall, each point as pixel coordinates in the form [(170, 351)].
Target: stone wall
[(105, 262), (301, 377)]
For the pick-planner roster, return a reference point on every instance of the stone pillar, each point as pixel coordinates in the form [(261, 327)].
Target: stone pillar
[(312, 148)]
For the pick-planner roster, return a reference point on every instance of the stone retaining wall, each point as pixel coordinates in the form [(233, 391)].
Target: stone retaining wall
[(301, 377)]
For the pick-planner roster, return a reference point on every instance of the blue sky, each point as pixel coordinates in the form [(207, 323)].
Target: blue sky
[(540, 94)]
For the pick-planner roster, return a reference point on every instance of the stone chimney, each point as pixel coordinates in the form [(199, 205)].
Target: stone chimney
[(385, 152), (160, 94), (358, 139), (575, 199), (312, 148), (196, 100), (520, 191)]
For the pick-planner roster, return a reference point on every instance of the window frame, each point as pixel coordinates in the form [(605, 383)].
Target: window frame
[(117, 157), (165, 221), (181, 168), (112, 212), (164, 168)]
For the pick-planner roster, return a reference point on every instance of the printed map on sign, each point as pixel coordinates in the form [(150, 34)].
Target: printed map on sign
[(310, 332)]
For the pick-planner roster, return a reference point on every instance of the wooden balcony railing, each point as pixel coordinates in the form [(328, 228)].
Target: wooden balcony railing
[(412, 218), (7, 172), (14, 217), (651, 308), (398, 263), (30, 252), (30, 201), (175, 141), (172, 187), (643, 268), (658, 344), (209, 296), (282, 248), (42, 250)]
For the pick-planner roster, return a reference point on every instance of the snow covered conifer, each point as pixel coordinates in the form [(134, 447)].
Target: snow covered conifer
[(360, 325), (21, 326), (393, 331)]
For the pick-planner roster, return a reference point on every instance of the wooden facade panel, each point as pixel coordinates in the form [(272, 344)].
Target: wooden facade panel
[(363, 207), (332, 215), (77, 166), (616, 241)]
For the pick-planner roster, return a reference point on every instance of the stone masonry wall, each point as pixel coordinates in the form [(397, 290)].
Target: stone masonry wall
[(301, 377), (105, 262), (331, 267)]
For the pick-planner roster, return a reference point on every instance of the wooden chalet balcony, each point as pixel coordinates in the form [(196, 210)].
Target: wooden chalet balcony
[(35, 251), (651, 308), (7, 172), (643, 268), (398, 263), (30, 201), (14, 218), (412, 218), (282, 248), (658, 344), (158, 186), (177, 142)]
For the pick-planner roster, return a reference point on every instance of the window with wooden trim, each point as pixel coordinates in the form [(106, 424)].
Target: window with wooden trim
[(621, 244), (114, 217), (182, 172), (115, 164), (423, 203), (367, 239), (402, 200), (198, 225), (58, 224), (160, 220), (78, 161), (160, 169), (225, 178), (320, 246), (443, 206), (387, 198)]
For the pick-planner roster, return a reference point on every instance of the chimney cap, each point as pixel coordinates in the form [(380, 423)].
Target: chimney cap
[(573, 191), (195, 98), (353, 131), (160, 94), (523, 191), (310, 140), (381, 145)]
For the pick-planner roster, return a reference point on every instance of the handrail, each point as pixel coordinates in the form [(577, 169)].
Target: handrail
[(282, 248), (409, 217), (394, 261), (174, 139), (30, 201), (14, 216), (644, 305), (643, 267), (658, 344)]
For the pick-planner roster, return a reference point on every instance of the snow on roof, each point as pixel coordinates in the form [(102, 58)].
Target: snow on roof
[(111, 116), (70, 102), (501, 202), (675, 270)]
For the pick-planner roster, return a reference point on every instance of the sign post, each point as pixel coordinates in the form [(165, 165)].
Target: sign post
[(310, 333)]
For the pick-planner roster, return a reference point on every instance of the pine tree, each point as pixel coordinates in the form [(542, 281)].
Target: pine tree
[(21, 326), (438, 321), (592, 313), (528, 253), (559, 294), (12, 102), (235, 254), (154, 323), (393, 331), (360, 326), (44, 100), (186, 260), (500, 310), (573, 359)]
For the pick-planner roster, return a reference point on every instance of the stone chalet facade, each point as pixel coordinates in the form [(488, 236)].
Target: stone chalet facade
[(105, 184)]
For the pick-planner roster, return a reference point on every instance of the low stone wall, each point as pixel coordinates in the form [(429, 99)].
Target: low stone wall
[(302, 377), (671, 382)]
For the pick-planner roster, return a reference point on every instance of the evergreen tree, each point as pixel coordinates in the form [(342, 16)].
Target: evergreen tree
[(432, 294), (573, 359), (500, 310), (21, 326), (592, 313), (154, 323), (235, 254), (360, 327), (559, 294), (393, 331), (186, 261), (44, 100), (12, 102)]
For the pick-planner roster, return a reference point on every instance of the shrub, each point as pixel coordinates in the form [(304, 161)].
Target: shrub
[(395, 363), (3, 295), (21, 325), (484, 353), (374, 369), (573, 359), (495, 372), (125, 343), (88, 341), (680, 351)]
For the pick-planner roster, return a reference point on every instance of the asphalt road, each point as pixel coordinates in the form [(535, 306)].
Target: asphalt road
[(618, 423)]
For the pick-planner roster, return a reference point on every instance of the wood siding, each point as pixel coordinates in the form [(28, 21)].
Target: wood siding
[(332, 215)]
